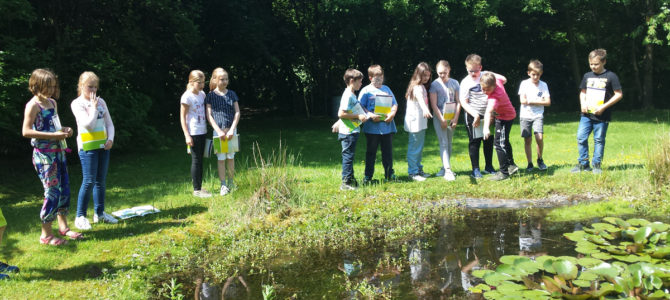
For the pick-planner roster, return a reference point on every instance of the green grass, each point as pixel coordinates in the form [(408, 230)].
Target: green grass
[(290, 204)]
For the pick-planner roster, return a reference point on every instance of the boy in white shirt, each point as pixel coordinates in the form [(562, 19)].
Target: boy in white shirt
[(534, 96)]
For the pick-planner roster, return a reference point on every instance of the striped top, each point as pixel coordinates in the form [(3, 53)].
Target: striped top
[(223, 108)]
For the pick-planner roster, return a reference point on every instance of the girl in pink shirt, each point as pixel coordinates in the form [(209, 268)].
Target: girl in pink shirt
[(500, 106)]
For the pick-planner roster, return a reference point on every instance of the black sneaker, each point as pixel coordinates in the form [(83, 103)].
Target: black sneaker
[(541, 165), (499, 176), (369, 181), (512, 169), (597, 169), (489, 170), (391, 178), (349, 184), (530, 167), (424, 175), (5, 268), (579, 168)]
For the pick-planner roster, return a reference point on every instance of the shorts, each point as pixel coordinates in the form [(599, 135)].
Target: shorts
[(224, 156), (537, 126), (3, 222)]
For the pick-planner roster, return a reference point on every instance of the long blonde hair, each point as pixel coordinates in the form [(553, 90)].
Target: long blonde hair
[(416, 79), (216, 75), (85, 78), (195, 76)]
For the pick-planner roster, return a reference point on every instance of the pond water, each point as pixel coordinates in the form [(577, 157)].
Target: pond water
[(432, 267)]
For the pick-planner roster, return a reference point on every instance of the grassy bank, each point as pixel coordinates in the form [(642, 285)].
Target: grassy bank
[(289, 204)]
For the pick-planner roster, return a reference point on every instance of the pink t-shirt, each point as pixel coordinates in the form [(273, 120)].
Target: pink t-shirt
[(501, 105)]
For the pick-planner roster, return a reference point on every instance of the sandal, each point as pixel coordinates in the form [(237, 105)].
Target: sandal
[(52, 241), (71, 234)]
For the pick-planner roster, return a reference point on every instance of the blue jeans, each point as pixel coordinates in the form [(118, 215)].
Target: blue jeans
[(94, 166), (373, 142), (348, 142), (414, 151), (599, 129)]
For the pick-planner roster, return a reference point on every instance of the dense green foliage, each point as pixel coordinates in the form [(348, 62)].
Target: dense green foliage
[(288, 56)]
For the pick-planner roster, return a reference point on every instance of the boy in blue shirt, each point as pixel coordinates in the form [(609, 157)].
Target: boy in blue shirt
[(382, 127), (351, 116), (600, 90)]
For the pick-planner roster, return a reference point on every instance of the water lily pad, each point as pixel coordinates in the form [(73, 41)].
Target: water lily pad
[(480, 288), (565, 269), (535, 294), (496, 278), (606, 227), (481, 272), (606, 270), (575, 236), (587, 250), (509, 270), (527, 267), (660, 252), (597, 239), (581, 283), (615, 250), (631, 258), (658, 294), (587, 276), (637, 222), (659, 227), (571, 259), (509, 259), (601, 255), (604, 289), (589, 262), (640, 237), (507, 287)]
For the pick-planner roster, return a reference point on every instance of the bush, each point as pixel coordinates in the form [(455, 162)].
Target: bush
[(658, 162)]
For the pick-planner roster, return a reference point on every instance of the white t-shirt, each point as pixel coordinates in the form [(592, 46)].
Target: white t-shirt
[(195, 117), (414, 119), (471, 92), (533, 93), (347, 103)]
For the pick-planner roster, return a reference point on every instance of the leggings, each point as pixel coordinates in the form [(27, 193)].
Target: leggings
[(197, 152), (473, 145)]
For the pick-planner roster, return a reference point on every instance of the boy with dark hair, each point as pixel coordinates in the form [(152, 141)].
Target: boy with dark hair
[(351, 115)]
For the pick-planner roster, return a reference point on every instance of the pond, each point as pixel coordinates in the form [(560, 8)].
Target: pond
[(437, 266)]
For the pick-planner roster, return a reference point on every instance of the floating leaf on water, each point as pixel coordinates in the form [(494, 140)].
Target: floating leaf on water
[(605, 289), (637, 222), (589, 262), (597, 239), (601, 255), (631, 258), (478, 289), (605, 226), (565, 269), (527, 267), (587, 276), (660, 252), (496, 278), (581, 283), (508, 286), (535, 294), (587, 250), (548, 265), (576, 297), (653, 239), (605, 270), (575, 236), (658, 294), (509, 259), (481, 273), (659, 227), (551, 285), (640, 237), (616, 250)]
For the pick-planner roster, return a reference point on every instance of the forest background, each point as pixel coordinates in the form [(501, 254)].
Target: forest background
[(287, 57)]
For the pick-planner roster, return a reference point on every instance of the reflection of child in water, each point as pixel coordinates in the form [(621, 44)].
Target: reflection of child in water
[(530, 244), (467, 280)]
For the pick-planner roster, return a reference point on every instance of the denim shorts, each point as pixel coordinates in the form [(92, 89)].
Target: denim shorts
[(537, 126)]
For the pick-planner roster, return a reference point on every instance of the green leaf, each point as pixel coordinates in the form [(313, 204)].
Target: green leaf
[(575, 236), (605, 288), (660, 252), (606, 227), (481, 273), (478, 289), (509, 259), (637, 222), (565, 269), (587, 276), (496, 278), (507, 287), (551, 285), (597, 239), (589, 262), (606, 270), (601, 255), (640, 237), (581, 283), (659, 227)]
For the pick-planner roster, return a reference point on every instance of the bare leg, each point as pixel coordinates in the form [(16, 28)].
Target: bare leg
[(231, 168), (539, 140), (221, 165), (2, 231), (46, 230), (528, 141)]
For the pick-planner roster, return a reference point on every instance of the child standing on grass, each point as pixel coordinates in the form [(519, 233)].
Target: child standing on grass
[(377, 132), (351, 115), (600, 90), (444, 95), (223, 113), (534, 96), (499, 103), (94, 140), (416, 120), (194, 126), (5, 268), (473, 101), (42, 125)]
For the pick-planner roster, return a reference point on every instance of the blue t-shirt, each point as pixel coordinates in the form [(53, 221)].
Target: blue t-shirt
[(223, 108), (367, 99), (450, 95)]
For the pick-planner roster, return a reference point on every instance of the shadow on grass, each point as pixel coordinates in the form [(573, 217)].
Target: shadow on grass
[(88, 270)]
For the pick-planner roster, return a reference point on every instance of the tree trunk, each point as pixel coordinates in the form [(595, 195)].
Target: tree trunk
[(648, 88)]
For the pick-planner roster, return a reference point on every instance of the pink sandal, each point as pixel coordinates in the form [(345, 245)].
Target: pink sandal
[(52, 241), (71, 234)]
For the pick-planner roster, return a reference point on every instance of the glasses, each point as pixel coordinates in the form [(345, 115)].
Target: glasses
[(473, 71)]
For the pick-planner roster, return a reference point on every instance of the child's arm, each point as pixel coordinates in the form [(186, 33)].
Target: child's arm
[(236, 120), (618, 94), (184, 127), (582, 101), (210, 118), (499, 77), (436, 110), (544, 101), (487, 118), (342, 114), (29, 115), (457, 113), (85, 116), (109, 126), (421, 97), (391, 115)]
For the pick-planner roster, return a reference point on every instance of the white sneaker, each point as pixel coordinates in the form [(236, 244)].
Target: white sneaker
[(82, 223), (202, 193), (224, 190), (418, 178), (440, 173), (105, 218), (449, 176)]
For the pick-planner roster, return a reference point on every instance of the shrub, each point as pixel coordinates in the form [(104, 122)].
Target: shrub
[(658, 162)]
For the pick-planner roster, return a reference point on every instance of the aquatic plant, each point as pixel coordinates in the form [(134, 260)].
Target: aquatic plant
[(658, 161), (616, 259)]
